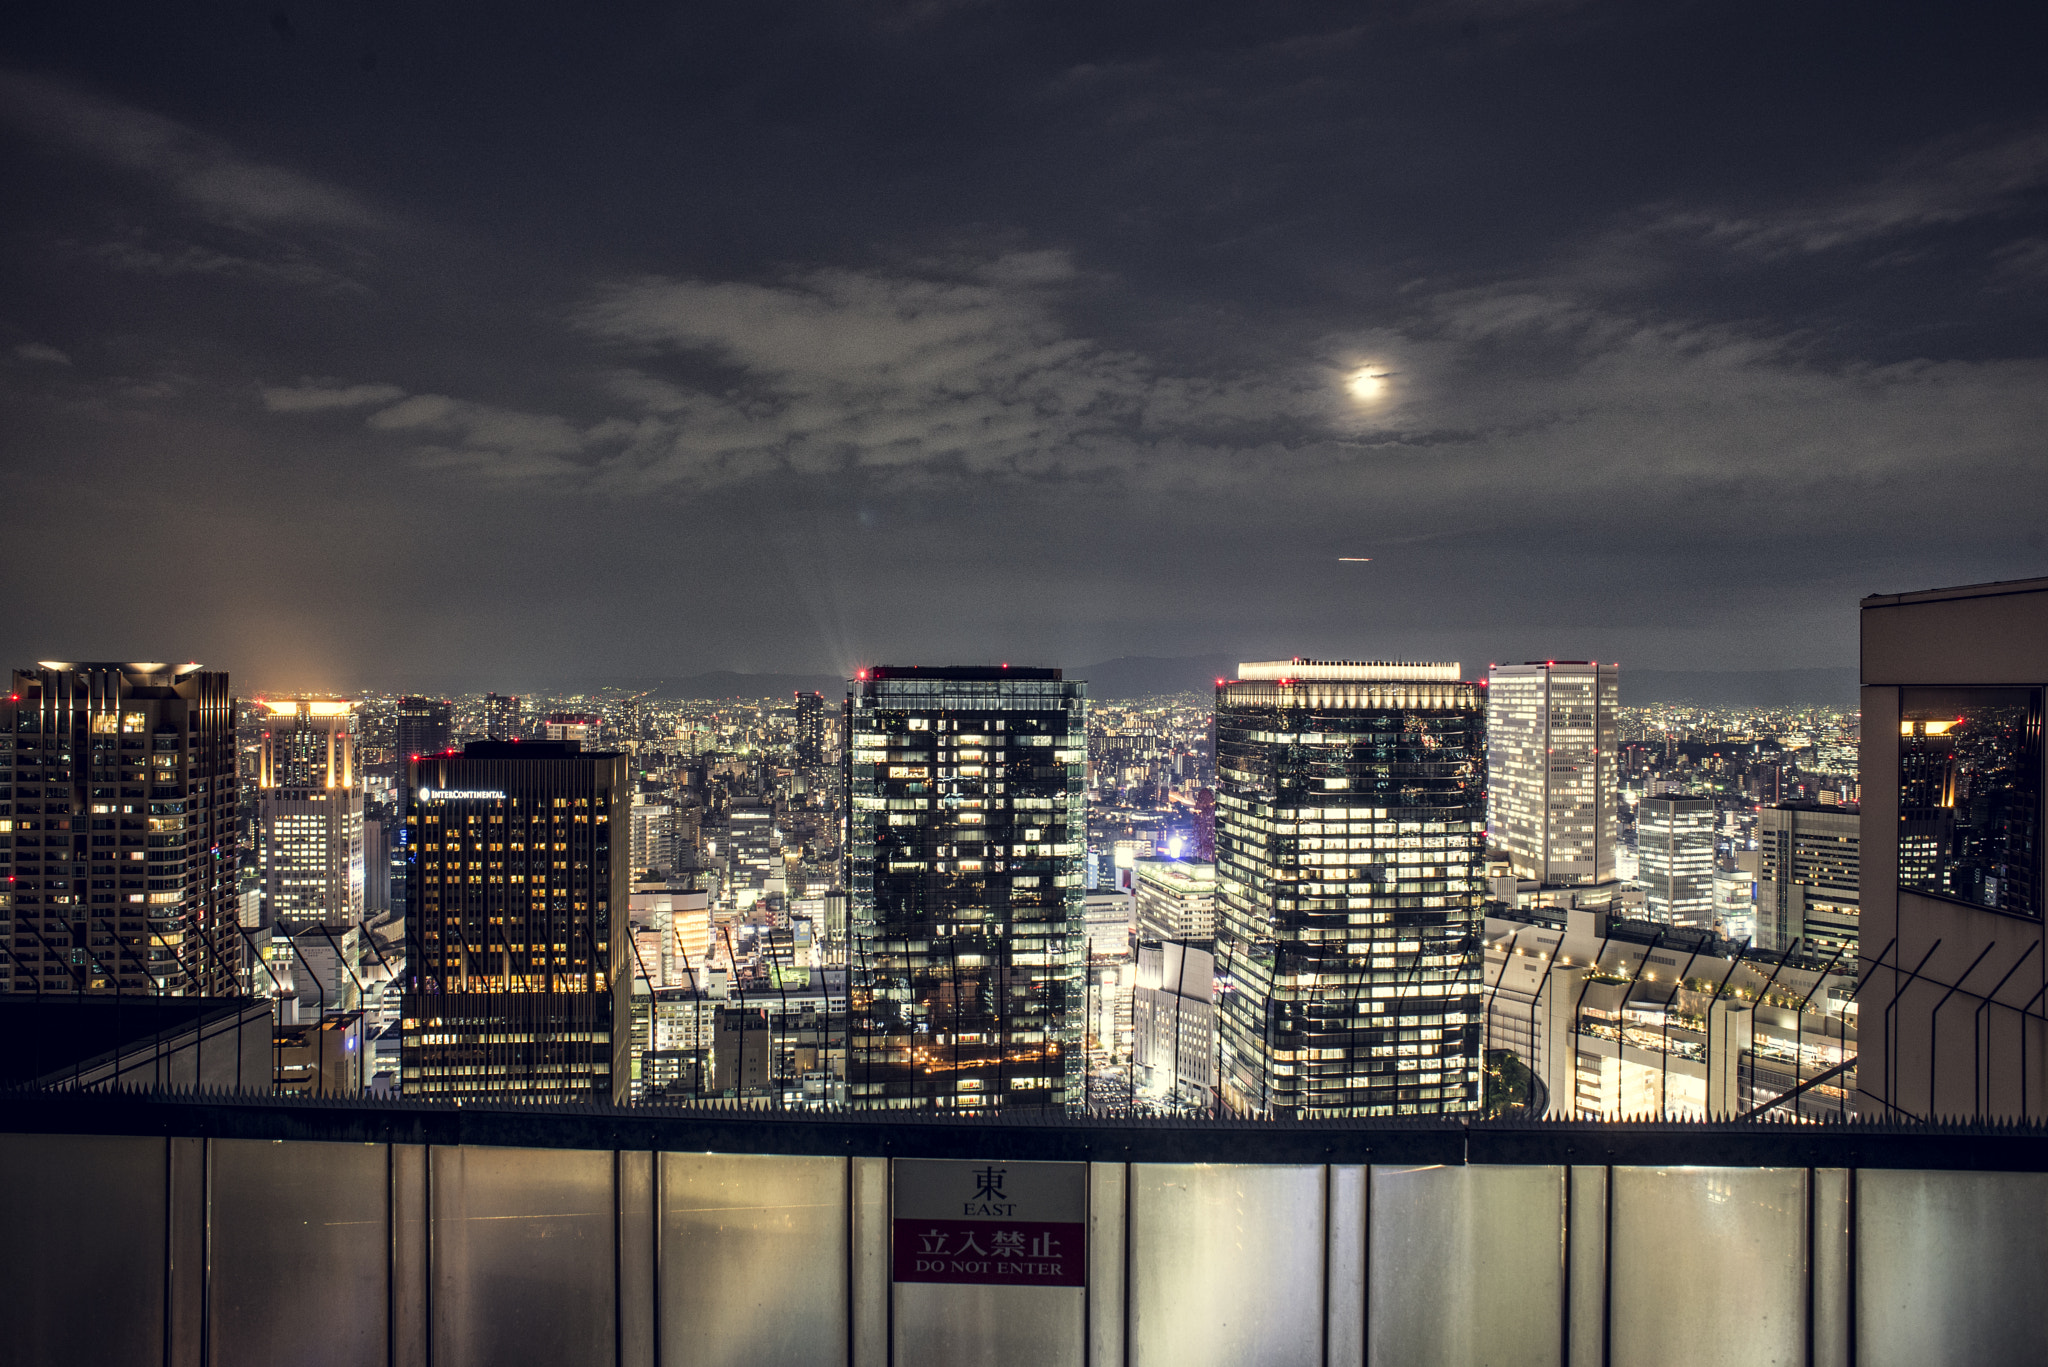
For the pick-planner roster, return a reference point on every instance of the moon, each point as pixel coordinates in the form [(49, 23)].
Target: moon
[(1365, 384)]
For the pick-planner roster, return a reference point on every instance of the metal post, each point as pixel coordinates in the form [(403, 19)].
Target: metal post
[(157, 1047), (1980, 1043), (276, 1055), (1734, 962), (1664, 1075), (1536, 1003), (1486, 1010), (1763, 992), (319, 1049), (1621, 1020), (652, 1000), (1861, 979), (2023, 1048), (733, 956), (1578, 1003), (1799, 1016), (1891, 1052), (1934, 1030)]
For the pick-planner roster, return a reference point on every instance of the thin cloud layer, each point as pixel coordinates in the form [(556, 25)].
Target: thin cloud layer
[(320, 396), (206, 172), (1497, 402), (690, 338), (1946, 182)]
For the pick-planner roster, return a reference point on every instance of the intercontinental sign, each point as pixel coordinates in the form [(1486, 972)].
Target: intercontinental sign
[(461, 794)]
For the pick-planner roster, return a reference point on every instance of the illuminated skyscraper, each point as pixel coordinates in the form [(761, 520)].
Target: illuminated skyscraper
[(501, 717), (425, 727), (118, 783), (1350, 847), (1550, 769), (517, 978), (1675, 859), (568, 726), (309, 816), (966, 829), (1807, 873), (810, 732)]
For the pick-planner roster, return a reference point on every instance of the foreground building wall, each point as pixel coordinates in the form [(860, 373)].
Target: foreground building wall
[(1954, 970)]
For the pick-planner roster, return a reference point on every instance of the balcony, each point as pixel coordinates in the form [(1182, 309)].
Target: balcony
[(192, 1229)]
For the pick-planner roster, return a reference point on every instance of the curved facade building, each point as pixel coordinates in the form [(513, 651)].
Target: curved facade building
[(1350, 847)]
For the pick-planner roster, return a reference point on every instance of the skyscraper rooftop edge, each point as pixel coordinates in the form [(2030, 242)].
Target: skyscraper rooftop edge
[(125, 666), (1350, 671), (530, 749), (1991, 588), (958, 673)]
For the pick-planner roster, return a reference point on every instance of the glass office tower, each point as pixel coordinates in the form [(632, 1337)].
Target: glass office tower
[(966, 829), (1675, 860), (1550, 769), (1350, 847), (810, 732), (516, 951), (425, 727)]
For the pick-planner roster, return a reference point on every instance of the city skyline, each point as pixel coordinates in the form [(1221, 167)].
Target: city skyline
[(1447, 332)]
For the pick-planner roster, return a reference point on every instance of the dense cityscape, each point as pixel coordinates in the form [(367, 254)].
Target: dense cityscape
[(762, 926), (957, 683)]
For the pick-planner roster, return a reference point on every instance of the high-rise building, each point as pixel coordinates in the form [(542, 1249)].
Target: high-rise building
[(810, 732), (1675, 860), (1173, 1020), (1951, 954), (1550, 769), (517, 961), (750, 847), (309, 816), (425, 727), (501, 716), (1807, 871), (568, 726), (1350, 855), (966, 826), (653, 833), (118, 782), (1176, 900)]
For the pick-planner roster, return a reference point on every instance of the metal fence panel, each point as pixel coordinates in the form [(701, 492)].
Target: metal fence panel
[(1949, 1268), (299, 1247), (1708, 1267), (82, 1249), (523, 1257), (1467, 1266), (992, 1326), (753, 1260), (1226, 1265)]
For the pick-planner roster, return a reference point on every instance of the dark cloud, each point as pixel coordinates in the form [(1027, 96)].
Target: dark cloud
[(560, 345)]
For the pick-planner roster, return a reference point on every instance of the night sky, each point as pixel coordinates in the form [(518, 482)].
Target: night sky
[(459, 346)]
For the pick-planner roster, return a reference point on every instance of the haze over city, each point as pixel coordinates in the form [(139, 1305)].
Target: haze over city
[(476, 347)]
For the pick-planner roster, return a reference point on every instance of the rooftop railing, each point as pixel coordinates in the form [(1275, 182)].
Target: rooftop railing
[(202, 1229)]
